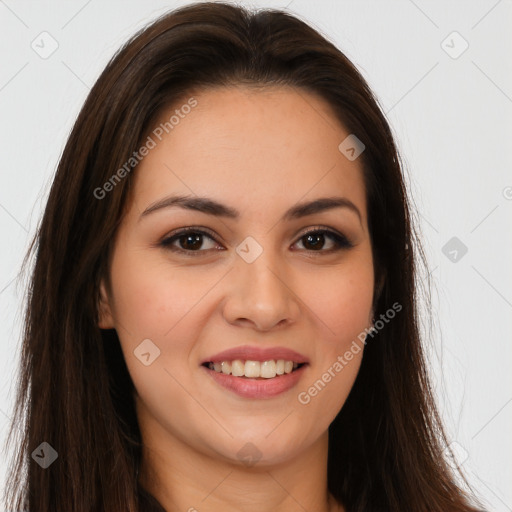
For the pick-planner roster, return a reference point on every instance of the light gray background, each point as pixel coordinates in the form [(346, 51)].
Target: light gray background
[(451, 117)]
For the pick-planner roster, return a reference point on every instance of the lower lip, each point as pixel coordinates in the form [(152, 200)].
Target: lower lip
[(257, 388)]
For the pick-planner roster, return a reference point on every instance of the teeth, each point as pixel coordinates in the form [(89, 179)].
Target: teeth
[(237, 368), (267, 369), (254, 369), (226, 367)]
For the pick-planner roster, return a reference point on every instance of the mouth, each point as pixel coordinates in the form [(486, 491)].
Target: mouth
[(255, 379), (249, 369)]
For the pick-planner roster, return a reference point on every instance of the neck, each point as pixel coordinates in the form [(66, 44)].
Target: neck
[(183, 478)]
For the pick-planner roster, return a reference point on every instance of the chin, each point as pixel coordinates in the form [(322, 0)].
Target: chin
[(259, 451)]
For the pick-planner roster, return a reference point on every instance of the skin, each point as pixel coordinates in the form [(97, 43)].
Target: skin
[(260, 151)]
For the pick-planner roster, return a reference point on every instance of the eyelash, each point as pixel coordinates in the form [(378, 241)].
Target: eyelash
[(341, 241)]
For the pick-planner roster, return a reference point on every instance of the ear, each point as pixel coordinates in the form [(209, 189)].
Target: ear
[(105, 318)]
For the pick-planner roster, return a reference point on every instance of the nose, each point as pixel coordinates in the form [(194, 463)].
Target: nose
[(261, 295)]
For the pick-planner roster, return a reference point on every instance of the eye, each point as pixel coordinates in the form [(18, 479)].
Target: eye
[(189, 241), (314, 240)]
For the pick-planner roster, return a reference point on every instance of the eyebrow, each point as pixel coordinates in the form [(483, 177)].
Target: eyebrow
[(212, 207)]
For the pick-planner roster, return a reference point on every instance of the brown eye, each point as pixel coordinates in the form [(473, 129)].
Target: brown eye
[(315, 241), (188, 241), (191, 242)]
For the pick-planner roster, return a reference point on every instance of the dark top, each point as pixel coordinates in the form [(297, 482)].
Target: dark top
[(147, 502)]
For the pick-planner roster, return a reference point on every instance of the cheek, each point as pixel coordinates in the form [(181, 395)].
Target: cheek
[(151, 298), (341, 300), (162, 303), (155, 302), (344, 308)]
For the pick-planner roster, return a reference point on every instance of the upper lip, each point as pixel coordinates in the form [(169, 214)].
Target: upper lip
[(252, 353)]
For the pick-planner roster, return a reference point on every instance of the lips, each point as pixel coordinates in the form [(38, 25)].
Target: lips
[(261, 354), (257, 388)]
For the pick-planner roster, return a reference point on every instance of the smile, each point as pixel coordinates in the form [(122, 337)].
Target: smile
[(254, 369), (255, 379)]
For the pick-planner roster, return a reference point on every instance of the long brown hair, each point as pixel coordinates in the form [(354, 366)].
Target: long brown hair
[(386, 444)]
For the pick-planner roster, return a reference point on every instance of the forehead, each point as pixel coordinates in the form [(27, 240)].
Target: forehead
[(248, 145)]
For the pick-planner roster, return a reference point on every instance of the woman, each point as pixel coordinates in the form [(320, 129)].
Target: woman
[(223, 313)]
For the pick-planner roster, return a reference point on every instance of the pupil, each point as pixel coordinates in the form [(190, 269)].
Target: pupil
[(194, 239), (310, 239)]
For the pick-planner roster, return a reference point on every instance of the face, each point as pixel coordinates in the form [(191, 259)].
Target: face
[(259, 279)]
